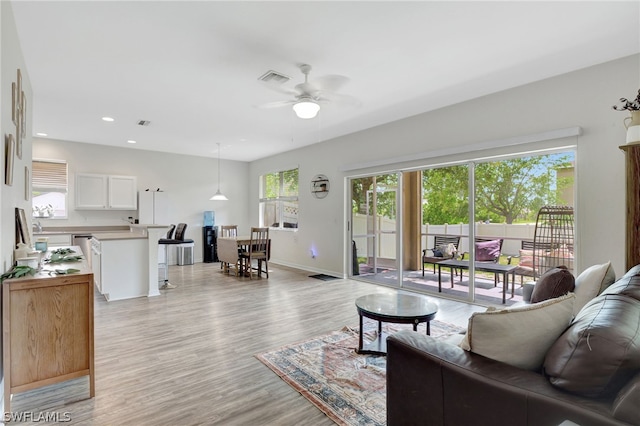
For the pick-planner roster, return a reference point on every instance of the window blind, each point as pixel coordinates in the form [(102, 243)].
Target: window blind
[(49, 175)]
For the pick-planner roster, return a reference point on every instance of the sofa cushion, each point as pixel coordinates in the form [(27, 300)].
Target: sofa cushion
[(487, 250), (554, 283), (519, 336), (596, 355), (628, 285), (591, 282), (625, 406)]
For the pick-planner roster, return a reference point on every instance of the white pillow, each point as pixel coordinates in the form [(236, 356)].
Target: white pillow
[(519, 336), (591, 282)]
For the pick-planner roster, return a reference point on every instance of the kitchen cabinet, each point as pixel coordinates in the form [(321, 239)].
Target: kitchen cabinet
[(47, 330), (105, 192), (120, 265), (54, 239)]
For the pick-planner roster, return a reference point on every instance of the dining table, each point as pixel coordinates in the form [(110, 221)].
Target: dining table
[(229, 249)]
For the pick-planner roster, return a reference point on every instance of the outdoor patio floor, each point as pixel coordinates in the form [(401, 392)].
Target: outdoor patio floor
[(485, 291)]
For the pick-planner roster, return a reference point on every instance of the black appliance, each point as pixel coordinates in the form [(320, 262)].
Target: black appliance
[(209, 242)]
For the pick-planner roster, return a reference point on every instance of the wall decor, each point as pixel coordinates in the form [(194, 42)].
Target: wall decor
[(18, 141), (14, 103), (18, 85), (9, 148), (27, 183), (23, 113), (23, 227), (320, 186)]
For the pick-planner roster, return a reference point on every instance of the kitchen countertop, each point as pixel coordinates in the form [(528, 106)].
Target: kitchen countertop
[(103, 233), (122, 235), (77, 230)]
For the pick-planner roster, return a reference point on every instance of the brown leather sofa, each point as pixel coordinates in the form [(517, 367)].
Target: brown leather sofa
[(591, 375)]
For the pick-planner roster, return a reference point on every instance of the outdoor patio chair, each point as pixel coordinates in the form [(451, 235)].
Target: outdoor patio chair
[(441, 250), (488, 250), (525, 259)]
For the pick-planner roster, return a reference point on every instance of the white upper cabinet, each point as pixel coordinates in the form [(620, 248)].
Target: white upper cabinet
[(123, 193), (104, 192)]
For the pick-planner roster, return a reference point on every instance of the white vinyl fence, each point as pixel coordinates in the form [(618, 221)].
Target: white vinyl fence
[(386, 246)]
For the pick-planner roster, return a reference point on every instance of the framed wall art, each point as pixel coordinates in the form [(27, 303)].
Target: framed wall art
[(23, 227), (14, 104), (9, 148), (27, 184)]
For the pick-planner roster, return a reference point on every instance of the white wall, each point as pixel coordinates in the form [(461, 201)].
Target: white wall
[(582, 98), (12, 196), (189, 182)]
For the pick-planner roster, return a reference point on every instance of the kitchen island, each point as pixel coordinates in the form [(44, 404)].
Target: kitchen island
[(125, 264)]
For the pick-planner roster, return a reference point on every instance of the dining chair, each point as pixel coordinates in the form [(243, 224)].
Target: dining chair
[(258, 249), (228, 231)]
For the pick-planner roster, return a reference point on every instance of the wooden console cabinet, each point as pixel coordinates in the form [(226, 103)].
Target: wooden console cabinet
[(632, 154), (47, 330)]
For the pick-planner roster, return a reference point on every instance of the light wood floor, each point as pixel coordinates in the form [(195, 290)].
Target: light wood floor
[(187, 356)]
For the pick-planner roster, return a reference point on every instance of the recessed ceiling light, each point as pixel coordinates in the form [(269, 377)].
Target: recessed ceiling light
[(41, 134), (130, 141), (108, 119)]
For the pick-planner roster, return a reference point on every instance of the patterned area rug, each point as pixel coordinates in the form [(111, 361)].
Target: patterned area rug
[(349, 388)]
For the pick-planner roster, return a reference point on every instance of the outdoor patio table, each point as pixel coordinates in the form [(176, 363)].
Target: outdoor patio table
[(496, 268)]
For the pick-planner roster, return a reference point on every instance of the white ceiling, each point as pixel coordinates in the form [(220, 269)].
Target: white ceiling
[(192, 68)]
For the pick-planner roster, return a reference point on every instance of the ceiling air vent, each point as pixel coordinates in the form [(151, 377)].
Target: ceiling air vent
[(274, 77), (143, 122)]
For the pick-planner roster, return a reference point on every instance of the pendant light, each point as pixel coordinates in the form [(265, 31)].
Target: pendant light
[(218, 196)]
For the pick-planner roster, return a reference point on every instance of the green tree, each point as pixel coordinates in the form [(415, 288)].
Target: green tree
[(515, 189), (385, 185), (445, 195), (506, 190)]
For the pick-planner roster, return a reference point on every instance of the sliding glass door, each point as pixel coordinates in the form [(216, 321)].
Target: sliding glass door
[(403, 223), (374, 227)]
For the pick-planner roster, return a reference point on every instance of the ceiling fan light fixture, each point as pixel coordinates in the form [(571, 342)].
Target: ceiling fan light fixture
[(306, 108)]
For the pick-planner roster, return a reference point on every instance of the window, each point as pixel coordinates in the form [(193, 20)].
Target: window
[(279, 199), (49, 188)]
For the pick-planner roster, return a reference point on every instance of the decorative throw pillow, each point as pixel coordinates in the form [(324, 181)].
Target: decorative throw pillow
[(487, 250), (591, 282), (555, 282), (526, 258), (447, 250), (519, 336)]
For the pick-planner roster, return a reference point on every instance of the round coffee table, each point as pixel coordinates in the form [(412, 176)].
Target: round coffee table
[(392, 308)]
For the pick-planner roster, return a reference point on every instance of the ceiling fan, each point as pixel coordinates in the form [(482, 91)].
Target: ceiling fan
[(308, 96)]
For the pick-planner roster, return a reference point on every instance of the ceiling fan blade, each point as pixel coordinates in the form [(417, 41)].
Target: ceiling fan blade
[(280, 89), (276, 104), (340, 99), (330, 83)]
